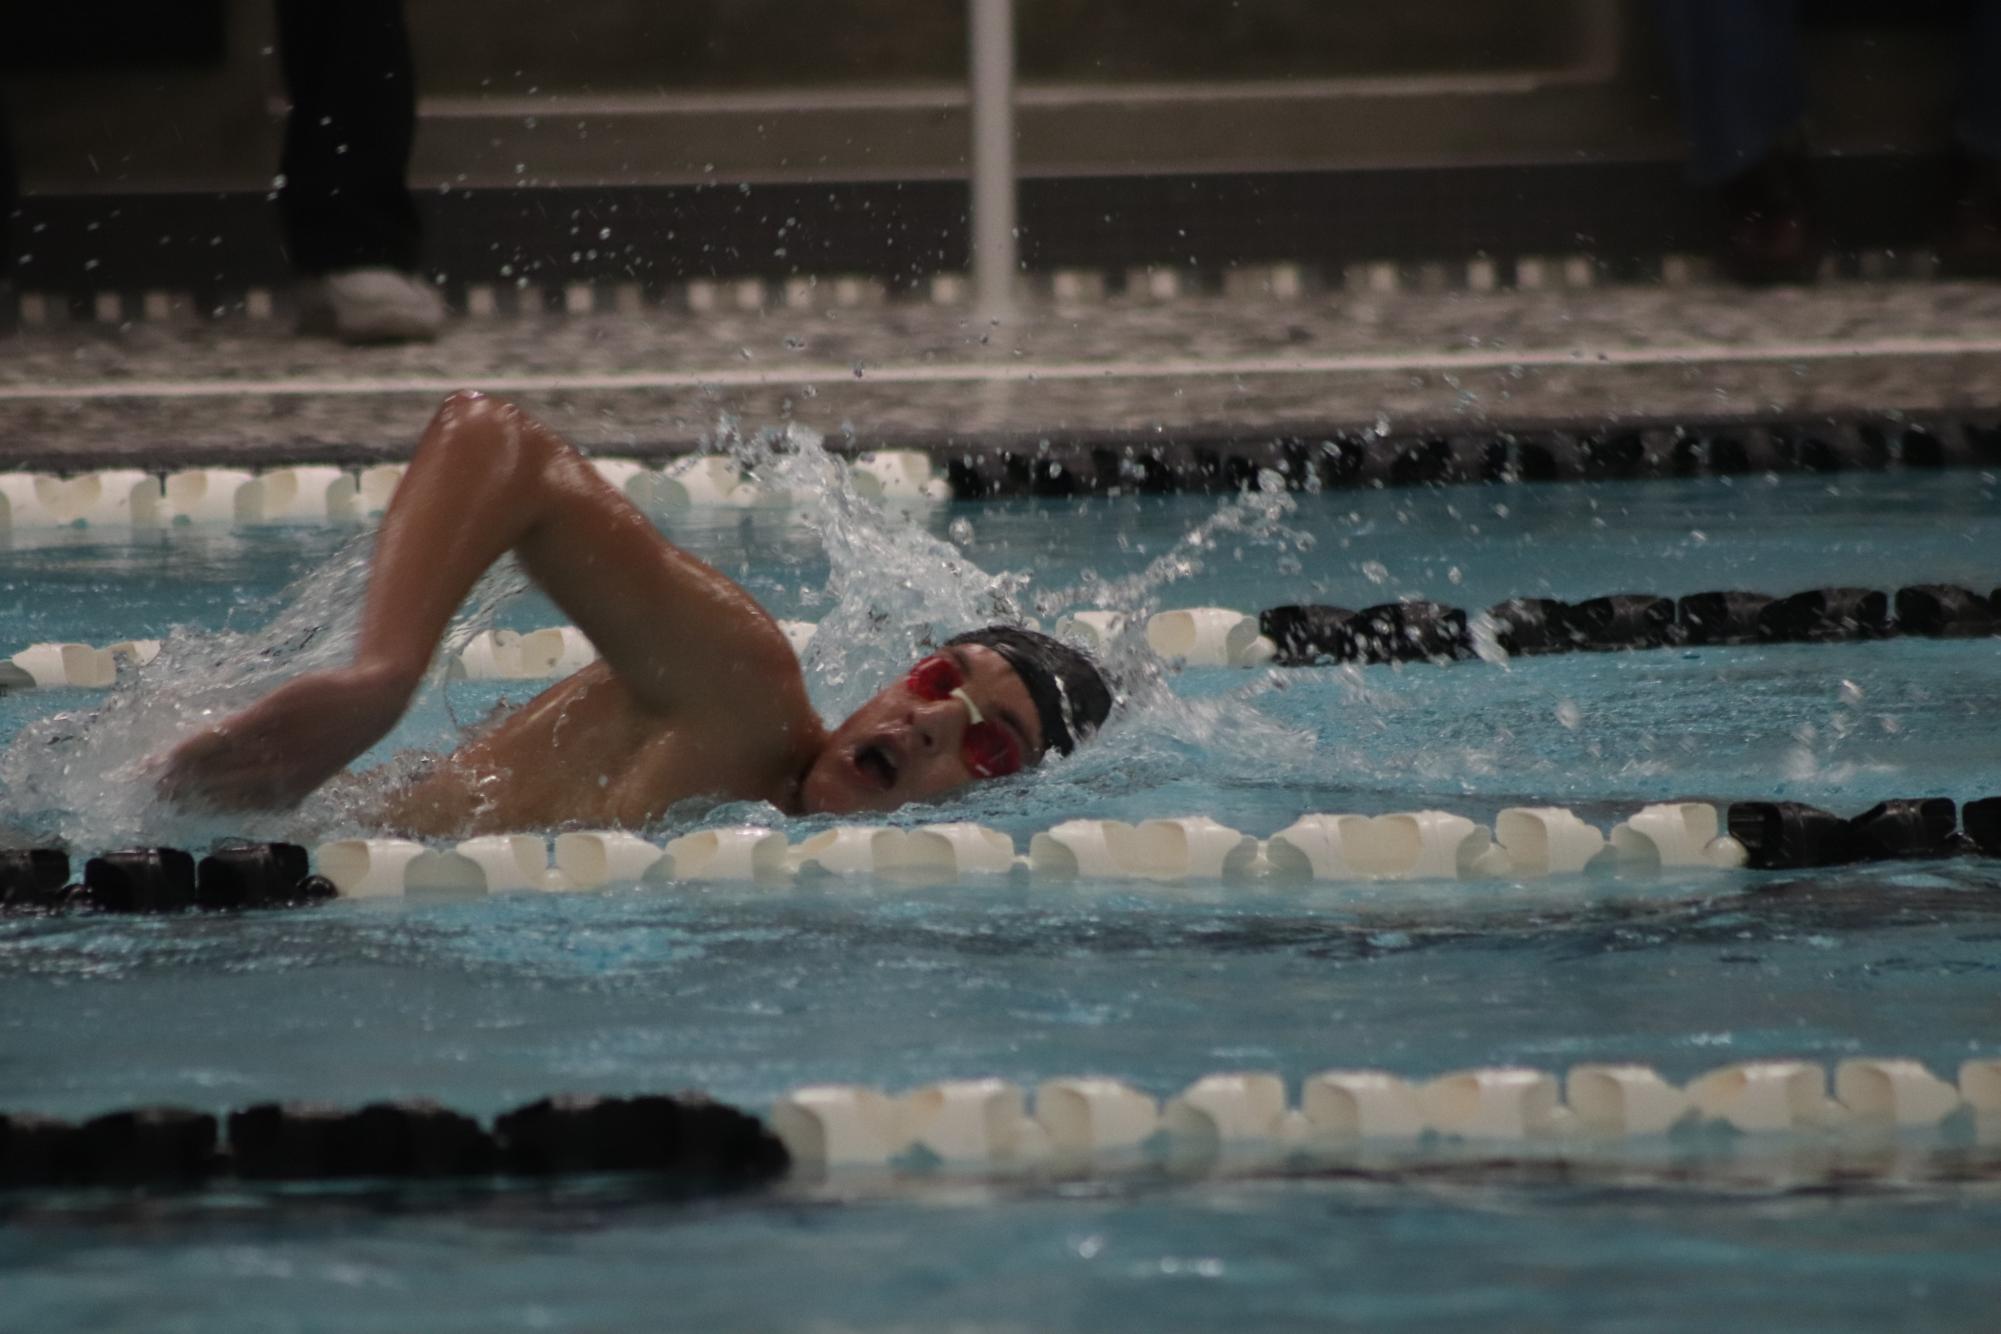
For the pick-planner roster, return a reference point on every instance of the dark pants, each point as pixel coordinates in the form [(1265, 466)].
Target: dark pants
[(8, 200), (1737, 67), (347, 67), (347, 145)]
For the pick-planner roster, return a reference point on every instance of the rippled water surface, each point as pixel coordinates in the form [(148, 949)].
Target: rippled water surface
[(746, 993)]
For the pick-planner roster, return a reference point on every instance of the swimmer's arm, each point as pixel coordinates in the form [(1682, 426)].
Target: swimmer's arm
[(487, 479)]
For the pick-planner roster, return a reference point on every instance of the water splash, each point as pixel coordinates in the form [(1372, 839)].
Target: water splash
[(893, 591), (896, 590), (82, 776)]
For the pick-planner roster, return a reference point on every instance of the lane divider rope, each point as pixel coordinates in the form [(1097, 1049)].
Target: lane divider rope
[(987, 1121), (1291, 635), (138, 499), (694, 1140), (1072, 1121), (1524, 843)]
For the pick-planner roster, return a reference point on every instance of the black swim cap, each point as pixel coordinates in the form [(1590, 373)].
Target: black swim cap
[(1071, 697)]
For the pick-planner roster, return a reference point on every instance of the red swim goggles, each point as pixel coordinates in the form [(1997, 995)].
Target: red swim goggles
[(987, 748)]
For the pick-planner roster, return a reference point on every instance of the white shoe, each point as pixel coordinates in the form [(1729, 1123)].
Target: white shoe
[(373, 305)]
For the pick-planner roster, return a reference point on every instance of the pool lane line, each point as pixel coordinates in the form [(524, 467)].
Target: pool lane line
[(1024, 372)]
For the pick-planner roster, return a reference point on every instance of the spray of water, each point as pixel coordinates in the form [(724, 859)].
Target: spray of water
[(83, 776), (893, 591)]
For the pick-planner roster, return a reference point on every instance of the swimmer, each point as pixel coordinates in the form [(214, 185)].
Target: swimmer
[(696, 694)]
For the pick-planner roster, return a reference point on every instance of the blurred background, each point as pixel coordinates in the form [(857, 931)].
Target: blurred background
[(768, 138)]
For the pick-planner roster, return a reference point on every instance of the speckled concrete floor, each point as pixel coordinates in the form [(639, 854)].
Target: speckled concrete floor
[(917, 373)]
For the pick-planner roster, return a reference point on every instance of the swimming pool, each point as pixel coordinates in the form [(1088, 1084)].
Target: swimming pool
[(749, 992)]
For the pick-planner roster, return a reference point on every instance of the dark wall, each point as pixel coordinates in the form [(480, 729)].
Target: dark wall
[(612, 44), (113, 34)]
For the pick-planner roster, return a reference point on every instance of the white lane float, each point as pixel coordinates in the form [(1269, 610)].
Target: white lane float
[(204, 495), (593, 858), (1420, 845), (490, 655), (114, 498), (1188, 848), (366, 868), (898, 474), (1361, 1104), (1095, 631), (74, 666), (835, 1125), (1209, 637), (842, 850), (1546, 840), (511, 655), (1492, 1104), (133, 652), (1085, 1114), (71, 666), (1674, 834), (1314, 847), (970, 1120), (1227, 1108), (939, 853), (555, 651), (700, 480), (1075, 848), (494, 864), (644, 486), (1766, 1095), (621, 474), (109, 498), (1893, 1092), (24, 500), (744, 852), (799, 634), (1980, 1085), (954, 849), (1619, 1100), (355, 497), (295, 495)]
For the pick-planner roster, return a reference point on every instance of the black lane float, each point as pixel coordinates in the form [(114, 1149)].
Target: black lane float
[(1307, 634), (1791, 835), (687, 1140)]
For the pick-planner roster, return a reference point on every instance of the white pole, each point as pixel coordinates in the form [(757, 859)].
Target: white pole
[(992, 52)]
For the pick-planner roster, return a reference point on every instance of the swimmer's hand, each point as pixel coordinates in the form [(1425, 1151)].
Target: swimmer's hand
[(277, 751)]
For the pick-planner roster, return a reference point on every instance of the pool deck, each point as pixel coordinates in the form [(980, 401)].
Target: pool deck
[(1244, 364)]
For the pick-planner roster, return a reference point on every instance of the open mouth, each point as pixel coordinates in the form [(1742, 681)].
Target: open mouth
[(875, 764)]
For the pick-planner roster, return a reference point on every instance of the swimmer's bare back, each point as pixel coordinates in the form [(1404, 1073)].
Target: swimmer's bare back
[(697, 692)]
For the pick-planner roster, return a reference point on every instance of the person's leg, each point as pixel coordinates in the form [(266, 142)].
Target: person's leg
[(1742, 92), (349, 221), (9, 193), (1971, 243), (10, 228), (1977, 122), (347, 143), (1738, 74)]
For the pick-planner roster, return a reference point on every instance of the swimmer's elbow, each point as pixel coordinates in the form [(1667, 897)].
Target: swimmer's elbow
[(491, 433), (477, 411), (464, 406)]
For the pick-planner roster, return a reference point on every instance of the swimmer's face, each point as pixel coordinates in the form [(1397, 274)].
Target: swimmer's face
[(909, 744)]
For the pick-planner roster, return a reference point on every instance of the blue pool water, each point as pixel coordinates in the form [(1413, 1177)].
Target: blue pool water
[(748, 993)]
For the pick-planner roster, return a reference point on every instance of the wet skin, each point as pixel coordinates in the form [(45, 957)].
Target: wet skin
[(900, 747), (583, 751), (697, 694)]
